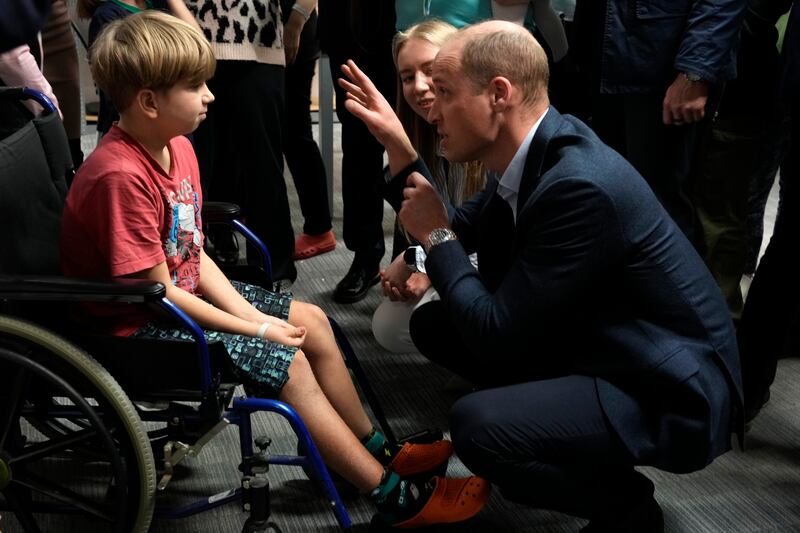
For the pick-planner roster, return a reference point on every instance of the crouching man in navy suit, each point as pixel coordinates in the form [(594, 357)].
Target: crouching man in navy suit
[(597, 336)]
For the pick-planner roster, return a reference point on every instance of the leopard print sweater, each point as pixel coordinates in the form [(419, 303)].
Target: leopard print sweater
[(243, 30)]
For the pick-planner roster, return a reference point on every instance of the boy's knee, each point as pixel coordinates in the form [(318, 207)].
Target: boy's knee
[(309, 315)]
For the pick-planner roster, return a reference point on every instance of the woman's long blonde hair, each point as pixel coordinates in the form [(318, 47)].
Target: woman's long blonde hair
[(422, 134)]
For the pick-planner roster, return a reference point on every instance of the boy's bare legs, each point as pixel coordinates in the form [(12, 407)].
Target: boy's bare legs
[(328, 365), (339, 447)]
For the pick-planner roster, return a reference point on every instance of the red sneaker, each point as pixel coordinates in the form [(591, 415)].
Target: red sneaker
[(306, 246)]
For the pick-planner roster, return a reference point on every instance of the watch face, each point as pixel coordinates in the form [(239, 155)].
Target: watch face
[(410, 258)]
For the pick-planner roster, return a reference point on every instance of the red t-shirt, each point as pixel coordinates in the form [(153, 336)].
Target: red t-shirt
[(124, 214)]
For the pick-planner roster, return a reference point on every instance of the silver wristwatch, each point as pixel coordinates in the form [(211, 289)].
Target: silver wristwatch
[(438, 236)]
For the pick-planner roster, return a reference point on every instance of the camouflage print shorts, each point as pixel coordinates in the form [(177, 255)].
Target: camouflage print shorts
[(263, 365)]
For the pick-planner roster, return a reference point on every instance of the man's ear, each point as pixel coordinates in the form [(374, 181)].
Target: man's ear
[(146, 101), (500, 92)]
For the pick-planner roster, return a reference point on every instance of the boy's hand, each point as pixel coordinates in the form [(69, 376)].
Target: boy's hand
[(273, 320), (289, 336)]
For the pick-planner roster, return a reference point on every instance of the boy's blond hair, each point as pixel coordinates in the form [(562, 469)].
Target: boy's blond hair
[(148, 50)]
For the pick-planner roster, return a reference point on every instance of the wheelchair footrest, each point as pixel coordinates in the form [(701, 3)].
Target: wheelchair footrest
[(176, 451)]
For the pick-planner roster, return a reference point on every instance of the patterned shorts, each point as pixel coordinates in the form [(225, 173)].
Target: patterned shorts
[(262, 365)]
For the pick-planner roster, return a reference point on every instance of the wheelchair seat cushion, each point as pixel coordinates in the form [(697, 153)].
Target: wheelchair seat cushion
[(261, 365)]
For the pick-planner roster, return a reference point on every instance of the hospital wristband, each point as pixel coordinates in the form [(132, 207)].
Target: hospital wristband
[(263, 329)]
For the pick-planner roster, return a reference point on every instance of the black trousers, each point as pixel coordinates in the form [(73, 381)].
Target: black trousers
[(240, 155), (362, 159), (772, 308), (543, 442), (301, 151)]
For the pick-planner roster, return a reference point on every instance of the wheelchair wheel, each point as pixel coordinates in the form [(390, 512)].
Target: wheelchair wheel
[(71, 442)]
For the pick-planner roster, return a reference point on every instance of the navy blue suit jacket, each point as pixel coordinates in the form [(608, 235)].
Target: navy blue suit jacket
[(594, 278)]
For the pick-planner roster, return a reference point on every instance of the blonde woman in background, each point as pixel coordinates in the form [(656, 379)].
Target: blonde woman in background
[(414, 51)]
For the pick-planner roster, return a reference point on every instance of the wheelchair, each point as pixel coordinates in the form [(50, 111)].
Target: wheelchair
[(80, 433)]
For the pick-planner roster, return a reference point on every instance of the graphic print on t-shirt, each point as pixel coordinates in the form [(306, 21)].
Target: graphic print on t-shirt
[(184, 241)]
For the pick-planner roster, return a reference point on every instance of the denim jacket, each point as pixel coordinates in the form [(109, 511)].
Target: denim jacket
[(647, 42)]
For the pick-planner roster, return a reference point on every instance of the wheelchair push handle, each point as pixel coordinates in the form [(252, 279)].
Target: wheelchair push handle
[(26, 93)]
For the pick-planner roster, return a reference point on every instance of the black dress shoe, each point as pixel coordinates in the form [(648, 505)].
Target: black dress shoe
[(356, 283), (751, 411), (646, 517)]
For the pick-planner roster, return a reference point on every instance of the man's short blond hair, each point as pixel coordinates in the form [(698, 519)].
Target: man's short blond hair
[(514, 55), (148, 50)]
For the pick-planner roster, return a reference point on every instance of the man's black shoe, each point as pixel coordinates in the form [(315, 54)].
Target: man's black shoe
[(752, 411), (646, 517), (356, 283)]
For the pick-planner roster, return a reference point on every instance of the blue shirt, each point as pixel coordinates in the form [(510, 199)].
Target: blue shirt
[(459, 13)]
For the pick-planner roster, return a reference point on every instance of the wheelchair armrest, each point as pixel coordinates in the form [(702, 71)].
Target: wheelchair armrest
[(220, 211), (55, 288)]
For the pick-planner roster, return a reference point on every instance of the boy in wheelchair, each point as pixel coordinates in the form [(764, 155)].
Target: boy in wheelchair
[(134, 211)]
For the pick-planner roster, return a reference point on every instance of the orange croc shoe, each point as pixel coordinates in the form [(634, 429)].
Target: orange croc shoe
[(452, 500), (415, 459), (306, 246)]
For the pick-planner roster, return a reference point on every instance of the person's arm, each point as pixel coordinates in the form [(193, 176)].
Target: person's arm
[(18, 68), (179, 9), (121, 214), (574, 235), (301, 12), (365, 102), (706, 56), (210, 317), (216, 287)]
